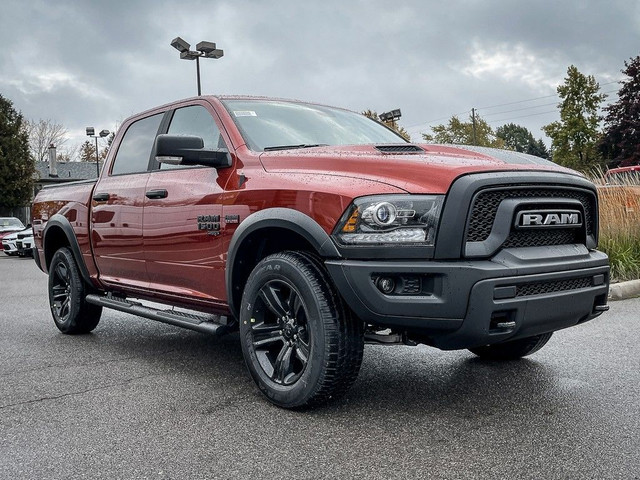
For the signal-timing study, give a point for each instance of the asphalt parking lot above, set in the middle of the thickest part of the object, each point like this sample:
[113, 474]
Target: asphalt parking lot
[139, 399]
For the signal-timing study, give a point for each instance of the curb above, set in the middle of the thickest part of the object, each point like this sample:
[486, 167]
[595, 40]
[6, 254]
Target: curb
[624, 290]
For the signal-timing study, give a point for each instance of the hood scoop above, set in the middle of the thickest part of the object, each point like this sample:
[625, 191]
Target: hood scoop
[402, 148]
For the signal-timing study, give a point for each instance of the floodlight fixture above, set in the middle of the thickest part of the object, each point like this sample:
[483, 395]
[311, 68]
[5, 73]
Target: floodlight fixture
[180, 45]
[91, 131]
[189, 55]
[104, 133]
[217, 53]
[390, 116]
[206, 47]
[203, 49]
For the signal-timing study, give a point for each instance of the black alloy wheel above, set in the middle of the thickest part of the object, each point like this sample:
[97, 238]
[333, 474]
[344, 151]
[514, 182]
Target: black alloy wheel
[279, 332]
[67, 292]
[301, 345]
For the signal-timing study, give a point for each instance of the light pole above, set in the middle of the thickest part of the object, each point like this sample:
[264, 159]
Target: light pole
[203, 49]
[91, 133]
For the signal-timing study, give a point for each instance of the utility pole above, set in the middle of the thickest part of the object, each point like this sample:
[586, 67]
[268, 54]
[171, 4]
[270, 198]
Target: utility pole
[473, 120]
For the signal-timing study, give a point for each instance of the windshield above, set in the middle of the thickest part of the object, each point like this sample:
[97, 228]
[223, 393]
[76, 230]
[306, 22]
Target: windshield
[276, 124]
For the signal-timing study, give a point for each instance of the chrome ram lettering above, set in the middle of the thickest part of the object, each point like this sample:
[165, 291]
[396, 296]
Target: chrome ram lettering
[546, 218]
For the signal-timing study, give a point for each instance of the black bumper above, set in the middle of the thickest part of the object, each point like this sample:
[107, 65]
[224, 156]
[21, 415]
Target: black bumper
[460, 304]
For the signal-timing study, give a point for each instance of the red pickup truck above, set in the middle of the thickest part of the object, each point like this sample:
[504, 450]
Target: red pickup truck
[313, 229]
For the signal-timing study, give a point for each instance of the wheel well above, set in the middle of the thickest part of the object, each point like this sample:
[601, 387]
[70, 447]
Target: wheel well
[54, 240]
[258, 245]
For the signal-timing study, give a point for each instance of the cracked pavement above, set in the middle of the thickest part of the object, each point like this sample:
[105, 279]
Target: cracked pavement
[139, 399]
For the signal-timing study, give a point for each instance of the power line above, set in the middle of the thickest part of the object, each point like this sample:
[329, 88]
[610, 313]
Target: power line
[520, 109]
[523, 116]
[428, 123]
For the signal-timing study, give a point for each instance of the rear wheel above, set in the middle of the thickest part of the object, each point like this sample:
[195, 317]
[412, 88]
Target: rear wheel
[514, 349]
[67, 291]
[301, 345]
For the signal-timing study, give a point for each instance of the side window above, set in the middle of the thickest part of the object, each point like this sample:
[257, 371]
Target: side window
[135, 148]
[194, 120]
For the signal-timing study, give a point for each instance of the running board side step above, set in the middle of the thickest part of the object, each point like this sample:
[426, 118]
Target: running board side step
[200, 323]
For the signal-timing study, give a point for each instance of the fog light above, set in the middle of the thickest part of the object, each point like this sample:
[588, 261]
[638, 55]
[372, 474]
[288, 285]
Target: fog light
[386, 285]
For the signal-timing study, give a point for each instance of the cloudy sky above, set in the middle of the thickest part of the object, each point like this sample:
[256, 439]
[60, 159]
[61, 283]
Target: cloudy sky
[86, 62]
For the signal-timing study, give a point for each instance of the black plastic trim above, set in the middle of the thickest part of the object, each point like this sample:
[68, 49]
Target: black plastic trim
[285, 218]
[504, 222]
[455, 213]
[457, 309]
[61, 221]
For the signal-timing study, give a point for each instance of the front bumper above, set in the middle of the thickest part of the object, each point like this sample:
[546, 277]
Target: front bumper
[460, 304]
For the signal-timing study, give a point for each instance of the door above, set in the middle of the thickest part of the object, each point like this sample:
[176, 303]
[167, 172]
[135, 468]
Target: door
[182, 225]
[117, 208]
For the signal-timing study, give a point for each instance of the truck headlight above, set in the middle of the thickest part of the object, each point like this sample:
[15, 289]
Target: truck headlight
[390, 219]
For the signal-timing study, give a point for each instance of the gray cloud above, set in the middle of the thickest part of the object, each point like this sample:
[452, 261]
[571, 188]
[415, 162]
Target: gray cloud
[90, 63]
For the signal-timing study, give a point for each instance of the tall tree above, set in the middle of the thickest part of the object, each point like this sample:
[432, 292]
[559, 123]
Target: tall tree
[43, 133]
[87, 152]
[462, 133]
[621, 140]
[520, 139]
[574, 138]
[16, 166]
[391, 124]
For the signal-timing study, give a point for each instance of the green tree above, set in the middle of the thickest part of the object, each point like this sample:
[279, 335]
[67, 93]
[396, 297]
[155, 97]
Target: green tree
[458, 132]
[621, 139]
[87, 152]
[520, 139]
[574, 138]
[392, 125]
[16, 165]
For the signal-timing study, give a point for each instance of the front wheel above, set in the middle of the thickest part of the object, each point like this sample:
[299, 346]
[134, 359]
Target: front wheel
[67, 291]
[301, 345]
[514, 349]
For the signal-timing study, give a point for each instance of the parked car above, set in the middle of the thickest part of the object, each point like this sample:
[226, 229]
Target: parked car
[24, 243]
[9, 244]
[313, 229]
[9, 225]
[621, 190]
[18, 243]
[623, 176]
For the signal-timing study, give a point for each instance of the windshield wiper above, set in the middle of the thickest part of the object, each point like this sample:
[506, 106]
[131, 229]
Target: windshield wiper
[291, 147]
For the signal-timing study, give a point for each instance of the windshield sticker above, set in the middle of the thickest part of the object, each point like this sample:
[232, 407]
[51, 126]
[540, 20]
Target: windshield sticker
[244, 113]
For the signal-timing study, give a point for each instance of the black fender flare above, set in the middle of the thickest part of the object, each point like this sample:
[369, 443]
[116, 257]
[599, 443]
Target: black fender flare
[60, 221]
[278, 217]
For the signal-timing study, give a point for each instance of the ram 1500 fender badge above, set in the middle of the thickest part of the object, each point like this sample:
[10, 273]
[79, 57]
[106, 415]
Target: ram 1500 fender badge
[211, 223]
[549, 218]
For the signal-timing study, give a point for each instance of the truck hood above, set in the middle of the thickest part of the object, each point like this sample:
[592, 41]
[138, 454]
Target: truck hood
[425, 168]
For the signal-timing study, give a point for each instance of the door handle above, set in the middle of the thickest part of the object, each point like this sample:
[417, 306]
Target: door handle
[154, 194]
[101, 197]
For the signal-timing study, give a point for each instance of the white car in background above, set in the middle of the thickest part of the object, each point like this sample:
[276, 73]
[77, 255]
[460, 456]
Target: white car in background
[18, 243]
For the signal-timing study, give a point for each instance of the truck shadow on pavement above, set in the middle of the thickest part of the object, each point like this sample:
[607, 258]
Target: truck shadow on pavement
[392, 379]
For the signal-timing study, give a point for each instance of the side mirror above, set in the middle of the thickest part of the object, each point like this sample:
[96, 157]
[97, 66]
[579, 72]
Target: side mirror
[189, 150]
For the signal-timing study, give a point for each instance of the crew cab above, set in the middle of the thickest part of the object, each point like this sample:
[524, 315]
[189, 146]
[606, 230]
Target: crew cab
[310, 230]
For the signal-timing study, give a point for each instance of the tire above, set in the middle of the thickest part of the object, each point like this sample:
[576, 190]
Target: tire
[67, 291]
[514, 349]
[301, 346]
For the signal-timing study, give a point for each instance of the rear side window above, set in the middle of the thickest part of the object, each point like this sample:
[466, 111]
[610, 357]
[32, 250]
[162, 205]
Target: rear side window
[135, 149]
[194, 120]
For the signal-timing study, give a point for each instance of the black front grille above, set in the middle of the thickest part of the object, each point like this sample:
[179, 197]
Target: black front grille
[542, 238]
[486, 203]
[539, 288]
